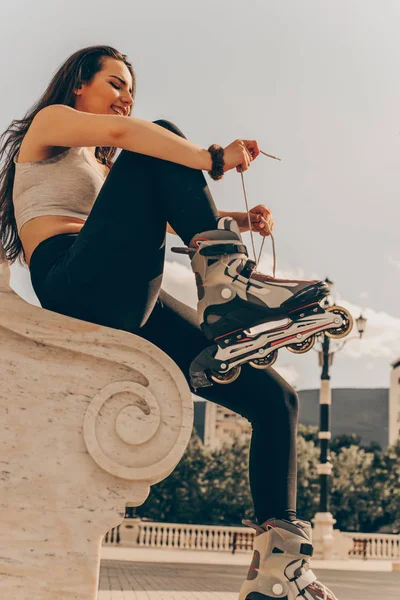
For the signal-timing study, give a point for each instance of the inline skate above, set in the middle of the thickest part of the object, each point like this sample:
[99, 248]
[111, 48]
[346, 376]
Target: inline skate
[233, 297]
[280, 567]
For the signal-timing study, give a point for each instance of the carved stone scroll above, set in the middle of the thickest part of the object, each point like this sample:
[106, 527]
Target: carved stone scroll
[90, 417]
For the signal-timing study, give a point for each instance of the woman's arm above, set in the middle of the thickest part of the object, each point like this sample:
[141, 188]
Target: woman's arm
[220, 212]
[145, 137]
[257, 216]
[242, 219]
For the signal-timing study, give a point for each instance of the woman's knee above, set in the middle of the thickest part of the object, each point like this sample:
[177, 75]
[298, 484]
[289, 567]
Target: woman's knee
[272, 394]
[170, 126]
[292, 400]
[282, 391]
[287, 396]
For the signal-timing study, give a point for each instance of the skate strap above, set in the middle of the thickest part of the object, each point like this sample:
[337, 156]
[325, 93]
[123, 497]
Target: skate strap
[305, 579]
[217, 249]
[180, 250]
[214, 250]
[190, 251]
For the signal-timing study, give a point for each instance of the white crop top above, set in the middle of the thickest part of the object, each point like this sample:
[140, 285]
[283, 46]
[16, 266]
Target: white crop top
[66, 184]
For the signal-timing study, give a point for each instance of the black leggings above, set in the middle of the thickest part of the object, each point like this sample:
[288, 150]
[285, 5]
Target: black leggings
[110, 274]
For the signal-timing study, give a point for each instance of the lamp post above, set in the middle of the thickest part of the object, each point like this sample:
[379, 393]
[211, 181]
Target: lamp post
[323, 520]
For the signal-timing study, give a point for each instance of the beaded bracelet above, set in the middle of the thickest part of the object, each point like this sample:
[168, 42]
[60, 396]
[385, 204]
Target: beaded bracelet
[218, 163]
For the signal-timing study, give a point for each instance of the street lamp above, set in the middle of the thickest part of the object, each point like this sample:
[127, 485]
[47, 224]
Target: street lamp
[361, 323]
[323, 520]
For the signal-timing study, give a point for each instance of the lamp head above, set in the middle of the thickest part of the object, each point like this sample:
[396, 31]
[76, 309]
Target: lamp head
[361, 323]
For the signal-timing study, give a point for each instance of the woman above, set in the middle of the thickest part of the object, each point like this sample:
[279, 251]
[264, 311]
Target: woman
[92, 233]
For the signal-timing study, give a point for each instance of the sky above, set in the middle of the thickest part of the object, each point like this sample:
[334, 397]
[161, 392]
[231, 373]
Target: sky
[315, 83]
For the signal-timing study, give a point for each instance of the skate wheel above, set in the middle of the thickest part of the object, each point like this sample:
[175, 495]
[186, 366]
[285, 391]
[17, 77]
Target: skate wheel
[224, 378]
[340, 332]
[265, 362]
[303, 346]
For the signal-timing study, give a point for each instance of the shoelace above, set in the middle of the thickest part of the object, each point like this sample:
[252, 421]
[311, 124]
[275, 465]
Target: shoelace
[263, 220]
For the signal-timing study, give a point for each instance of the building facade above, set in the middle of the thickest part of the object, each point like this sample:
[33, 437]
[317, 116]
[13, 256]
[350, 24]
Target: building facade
[394, 403]
[373, 414]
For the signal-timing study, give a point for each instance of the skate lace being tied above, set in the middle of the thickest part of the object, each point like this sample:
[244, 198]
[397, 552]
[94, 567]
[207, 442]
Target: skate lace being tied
[251, 233]
[266, 224]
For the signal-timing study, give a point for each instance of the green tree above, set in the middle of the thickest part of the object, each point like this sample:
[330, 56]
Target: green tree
[352, 439]
[308, 432]
[207, 487]
[212, 487]
[180, 497]
[307, 476]
[344, 441]
[352, 500]
[228, 498]
[391, 469]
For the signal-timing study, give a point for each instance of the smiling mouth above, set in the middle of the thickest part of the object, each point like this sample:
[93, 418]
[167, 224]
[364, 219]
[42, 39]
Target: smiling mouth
[121, 113]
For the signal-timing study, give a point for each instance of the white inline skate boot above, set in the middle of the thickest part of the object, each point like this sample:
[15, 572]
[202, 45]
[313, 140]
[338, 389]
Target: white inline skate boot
[233, 297]
[280, 567]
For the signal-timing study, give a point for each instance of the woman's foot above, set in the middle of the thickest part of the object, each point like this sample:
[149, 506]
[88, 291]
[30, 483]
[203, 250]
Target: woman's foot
[280, 567]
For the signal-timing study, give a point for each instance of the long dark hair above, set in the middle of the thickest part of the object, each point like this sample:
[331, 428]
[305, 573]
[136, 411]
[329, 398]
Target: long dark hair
[79, 68]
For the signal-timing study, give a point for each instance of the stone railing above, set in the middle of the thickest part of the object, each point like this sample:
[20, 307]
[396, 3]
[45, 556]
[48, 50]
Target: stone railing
[147, 534]
[374, 545]
[91, 417]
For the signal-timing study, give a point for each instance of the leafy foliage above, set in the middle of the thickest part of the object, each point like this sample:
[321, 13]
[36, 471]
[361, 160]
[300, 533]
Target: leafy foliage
[212, 486]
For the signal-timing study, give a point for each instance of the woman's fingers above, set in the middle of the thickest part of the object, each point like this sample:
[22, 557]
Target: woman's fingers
[262, 220]
[250, 151]
[252, 147]
[237, 156]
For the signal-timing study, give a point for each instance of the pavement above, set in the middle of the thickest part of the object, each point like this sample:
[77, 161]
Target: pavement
[171, 556]
[179, 579]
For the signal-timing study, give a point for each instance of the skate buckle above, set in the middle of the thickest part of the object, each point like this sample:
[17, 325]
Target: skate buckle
[190, 251]
[306, 549]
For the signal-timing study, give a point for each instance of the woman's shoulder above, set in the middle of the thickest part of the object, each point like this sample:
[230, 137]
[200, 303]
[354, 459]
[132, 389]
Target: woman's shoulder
[30, 151]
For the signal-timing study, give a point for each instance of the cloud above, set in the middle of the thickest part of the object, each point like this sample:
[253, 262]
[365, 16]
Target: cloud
[179, 281]
[382, 333]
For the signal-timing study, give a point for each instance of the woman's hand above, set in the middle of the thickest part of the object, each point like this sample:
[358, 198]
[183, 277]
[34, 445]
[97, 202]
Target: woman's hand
[255, 218]
[239, 155]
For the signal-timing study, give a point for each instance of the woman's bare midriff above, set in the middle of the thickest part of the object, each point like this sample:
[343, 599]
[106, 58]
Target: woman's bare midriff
[40, 228]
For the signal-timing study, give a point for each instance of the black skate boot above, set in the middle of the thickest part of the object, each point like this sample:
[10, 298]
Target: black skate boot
[233, 297]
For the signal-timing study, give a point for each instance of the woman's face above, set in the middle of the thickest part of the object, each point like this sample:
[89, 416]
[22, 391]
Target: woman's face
[102, 93]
